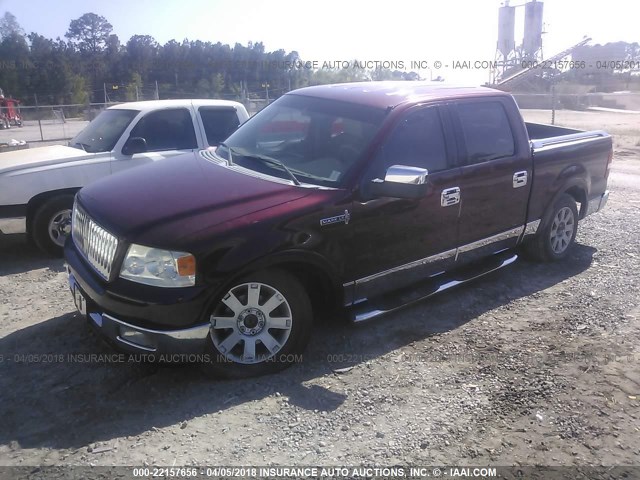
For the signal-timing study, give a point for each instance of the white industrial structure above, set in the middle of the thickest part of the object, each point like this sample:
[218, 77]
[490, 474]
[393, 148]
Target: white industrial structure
[508, 55]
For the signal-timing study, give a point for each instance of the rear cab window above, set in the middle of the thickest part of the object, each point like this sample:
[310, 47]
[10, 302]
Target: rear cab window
[218, 123]
[486, 130]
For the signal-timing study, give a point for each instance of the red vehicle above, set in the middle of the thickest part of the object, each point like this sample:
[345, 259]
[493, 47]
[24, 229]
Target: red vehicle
[363, 196]
[9, 112]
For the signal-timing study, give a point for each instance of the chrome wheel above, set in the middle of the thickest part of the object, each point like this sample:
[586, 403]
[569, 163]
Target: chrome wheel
[60, 227]
[562, 230]
[251, 324]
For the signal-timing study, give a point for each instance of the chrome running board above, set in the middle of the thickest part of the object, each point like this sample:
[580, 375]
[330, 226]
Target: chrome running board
[389, 302]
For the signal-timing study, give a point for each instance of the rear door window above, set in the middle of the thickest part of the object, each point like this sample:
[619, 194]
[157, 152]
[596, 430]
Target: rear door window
[486, 130]
[218, 123]
[170, 129]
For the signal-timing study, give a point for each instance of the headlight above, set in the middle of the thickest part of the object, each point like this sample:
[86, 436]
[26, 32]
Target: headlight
[161, 268]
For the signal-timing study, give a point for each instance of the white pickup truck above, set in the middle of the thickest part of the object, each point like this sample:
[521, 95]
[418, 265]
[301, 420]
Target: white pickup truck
[37, 185]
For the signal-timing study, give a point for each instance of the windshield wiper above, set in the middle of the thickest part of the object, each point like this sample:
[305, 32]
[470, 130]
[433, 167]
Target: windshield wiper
[273, 161]
[83, 146]
[222, 144]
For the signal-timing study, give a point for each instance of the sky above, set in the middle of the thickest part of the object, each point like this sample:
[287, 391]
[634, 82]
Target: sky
[342, 30]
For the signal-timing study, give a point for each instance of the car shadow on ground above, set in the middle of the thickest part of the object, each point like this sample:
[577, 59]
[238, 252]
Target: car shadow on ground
[18, 255]
[55, 395]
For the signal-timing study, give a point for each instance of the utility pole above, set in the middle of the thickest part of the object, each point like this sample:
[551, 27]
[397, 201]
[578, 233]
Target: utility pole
[553, 102]
[157, 95]
[137, 97]
[104, 86]
[35, 97]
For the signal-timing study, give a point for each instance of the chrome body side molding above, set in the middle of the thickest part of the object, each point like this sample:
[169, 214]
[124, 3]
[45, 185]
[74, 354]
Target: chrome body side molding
[380, 283]
[499, 237]
[573, 139]
[407, 266]
[398, 277]
[531, 228]
[388, 303]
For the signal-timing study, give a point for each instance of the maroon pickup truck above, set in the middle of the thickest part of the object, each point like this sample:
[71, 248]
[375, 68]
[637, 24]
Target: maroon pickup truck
[365, 196]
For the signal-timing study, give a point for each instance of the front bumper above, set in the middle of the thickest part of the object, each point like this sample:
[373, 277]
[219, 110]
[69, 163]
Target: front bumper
[138, 318]
[136, 339]
[598, 203]
[10, 226]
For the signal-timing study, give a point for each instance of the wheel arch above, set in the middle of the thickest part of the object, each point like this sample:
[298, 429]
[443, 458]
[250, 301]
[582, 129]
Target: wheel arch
[576, 188]
[320, 281]
[40, 199]
[579, 194]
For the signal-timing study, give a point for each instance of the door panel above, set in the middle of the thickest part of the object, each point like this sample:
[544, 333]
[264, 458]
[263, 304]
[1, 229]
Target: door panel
[402, 241]
[495, 180]
[396, 242]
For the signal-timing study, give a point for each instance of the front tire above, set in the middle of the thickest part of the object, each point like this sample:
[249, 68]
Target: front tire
[554, 240]
[52, 224]
[260, 326]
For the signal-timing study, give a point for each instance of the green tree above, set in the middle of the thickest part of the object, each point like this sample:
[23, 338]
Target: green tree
[48, 71]
[141, 52]
[9, 25]
[90, 32]
[14, 56]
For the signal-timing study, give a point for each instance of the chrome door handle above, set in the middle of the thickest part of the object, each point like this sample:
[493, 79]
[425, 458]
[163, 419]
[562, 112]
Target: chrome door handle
[450, 196]
[519, 179]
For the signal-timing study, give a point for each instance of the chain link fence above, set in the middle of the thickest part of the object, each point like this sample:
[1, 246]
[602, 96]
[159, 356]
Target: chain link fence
[57, 124]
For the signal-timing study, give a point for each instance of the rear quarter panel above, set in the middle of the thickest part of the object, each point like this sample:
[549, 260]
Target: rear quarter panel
[557, 168]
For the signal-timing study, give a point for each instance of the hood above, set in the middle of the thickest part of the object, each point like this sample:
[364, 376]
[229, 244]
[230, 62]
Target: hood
[39, 157]
[159, 203]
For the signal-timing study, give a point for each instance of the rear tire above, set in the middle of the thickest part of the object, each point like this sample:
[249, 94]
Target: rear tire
[52, 224]
[260, 326]
[554, 240]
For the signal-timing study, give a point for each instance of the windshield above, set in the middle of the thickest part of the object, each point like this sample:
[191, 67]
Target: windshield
[104, 131]
[317, 140]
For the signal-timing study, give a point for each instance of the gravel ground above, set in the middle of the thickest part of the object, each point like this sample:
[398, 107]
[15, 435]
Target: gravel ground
[532, 365]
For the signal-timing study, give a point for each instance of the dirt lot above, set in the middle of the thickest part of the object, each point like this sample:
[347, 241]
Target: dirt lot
[535, 364]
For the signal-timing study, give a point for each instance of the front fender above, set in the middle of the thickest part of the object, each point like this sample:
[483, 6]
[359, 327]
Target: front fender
[18, 187]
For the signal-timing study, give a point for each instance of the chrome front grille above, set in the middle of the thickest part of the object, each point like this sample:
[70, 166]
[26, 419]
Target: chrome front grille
[96, 244]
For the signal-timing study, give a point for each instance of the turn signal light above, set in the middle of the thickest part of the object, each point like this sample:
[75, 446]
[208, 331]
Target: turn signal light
[186, 265]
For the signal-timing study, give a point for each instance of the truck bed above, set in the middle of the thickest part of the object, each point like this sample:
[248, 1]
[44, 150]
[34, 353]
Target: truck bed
[539, 131]
[560, 153]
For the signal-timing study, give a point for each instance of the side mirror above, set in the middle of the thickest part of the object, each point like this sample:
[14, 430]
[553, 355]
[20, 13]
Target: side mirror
[134, 145]
[401, 181]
